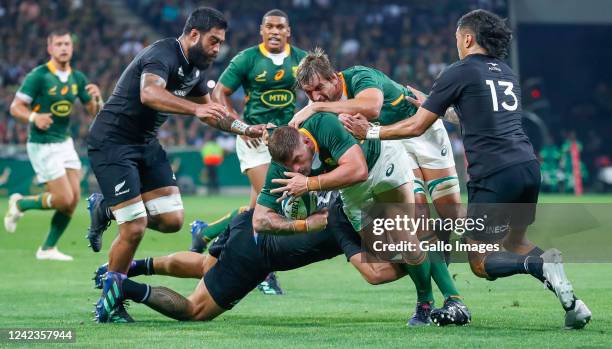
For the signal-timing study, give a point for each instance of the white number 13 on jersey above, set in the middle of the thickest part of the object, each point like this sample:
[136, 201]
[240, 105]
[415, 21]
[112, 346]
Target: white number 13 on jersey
[508, 92]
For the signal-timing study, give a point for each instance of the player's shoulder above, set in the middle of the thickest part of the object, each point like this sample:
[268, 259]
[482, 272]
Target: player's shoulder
[165, 43]
[275, 170]
[79, 74]
[298, 51]
[41, 69]
[247, 54]
[359, 69]
[166, 49]
[320, 121]
[462, 70]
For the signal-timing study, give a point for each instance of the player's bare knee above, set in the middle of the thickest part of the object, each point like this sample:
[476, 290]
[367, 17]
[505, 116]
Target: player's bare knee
[62, 201]
[134, 231]
[72, 205]
[174, 222]
[200, 312]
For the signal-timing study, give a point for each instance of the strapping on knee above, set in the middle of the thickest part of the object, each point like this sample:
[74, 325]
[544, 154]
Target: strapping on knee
[130, 213]
[441, 187]
[419, 186]
[164, 204]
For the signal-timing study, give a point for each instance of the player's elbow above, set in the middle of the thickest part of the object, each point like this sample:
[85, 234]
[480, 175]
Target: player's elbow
[14, 108]
[259, 219]
[362, 173]
[147, 96]
[372, 112]
[257, 223]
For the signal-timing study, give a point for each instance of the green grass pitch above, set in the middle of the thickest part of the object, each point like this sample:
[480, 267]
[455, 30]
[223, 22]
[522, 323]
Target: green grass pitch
[326, 305]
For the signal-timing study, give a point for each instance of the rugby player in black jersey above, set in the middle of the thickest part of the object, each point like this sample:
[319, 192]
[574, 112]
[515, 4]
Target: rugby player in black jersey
[138, 186]
[484, 97]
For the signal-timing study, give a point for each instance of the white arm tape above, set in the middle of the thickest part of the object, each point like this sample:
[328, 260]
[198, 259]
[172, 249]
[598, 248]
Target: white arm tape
[238, 127]
[130, 213]
[164, 204]
[373, 132]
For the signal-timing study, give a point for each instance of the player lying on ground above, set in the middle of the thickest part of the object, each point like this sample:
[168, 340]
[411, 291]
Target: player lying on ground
[240, 258]
[367, 91]
[45, 101]
[501, 162]
[138, 186]
[334, 160]
[266, 73]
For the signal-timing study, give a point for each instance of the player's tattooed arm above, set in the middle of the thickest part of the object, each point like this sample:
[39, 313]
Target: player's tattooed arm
[229, 124]
[154, 95]
[267, 221]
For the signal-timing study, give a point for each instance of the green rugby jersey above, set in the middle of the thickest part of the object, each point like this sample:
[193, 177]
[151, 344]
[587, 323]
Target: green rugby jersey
[46, 93]
[395, 106]
[331, 141]
[268, 81]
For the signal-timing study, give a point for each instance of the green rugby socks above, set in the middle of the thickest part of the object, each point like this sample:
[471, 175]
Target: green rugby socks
[59, 222]
[217, 227]
[35, 202]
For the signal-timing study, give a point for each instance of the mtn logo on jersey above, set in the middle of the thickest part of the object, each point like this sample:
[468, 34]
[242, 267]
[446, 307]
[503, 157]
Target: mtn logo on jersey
[277, 98]
[118, 188]
[61, 108]
[494, 67]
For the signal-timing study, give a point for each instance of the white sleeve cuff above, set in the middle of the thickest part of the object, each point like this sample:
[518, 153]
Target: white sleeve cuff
[24, 97]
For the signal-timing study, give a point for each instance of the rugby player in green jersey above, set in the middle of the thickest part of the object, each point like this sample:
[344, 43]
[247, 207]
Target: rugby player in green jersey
[45, 100]
[266, 73]
[369, 92]
[364, 172]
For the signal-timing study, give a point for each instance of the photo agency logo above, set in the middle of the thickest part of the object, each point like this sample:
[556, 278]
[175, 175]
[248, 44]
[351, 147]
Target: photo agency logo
[394, 232]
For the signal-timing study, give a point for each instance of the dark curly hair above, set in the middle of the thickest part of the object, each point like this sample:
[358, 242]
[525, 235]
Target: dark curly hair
[204, 19]
[491, 31]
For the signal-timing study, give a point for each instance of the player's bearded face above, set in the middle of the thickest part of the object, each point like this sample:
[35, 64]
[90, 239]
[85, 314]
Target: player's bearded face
[302, 160]
[322, 90]
[206, 49]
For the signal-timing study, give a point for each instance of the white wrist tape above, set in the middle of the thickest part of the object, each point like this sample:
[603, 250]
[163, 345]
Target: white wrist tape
[32, 117]
[373, 132]
[238, 127]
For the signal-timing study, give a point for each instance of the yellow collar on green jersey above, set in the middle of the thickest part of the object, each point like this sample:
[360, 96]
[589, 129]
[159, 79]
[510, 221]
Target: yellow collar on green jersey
[265, 52]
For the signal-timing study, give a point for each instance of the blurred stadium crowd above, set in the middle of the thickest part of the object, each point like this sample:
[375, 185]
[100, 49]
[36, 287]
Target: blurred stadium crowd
[411, 42]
